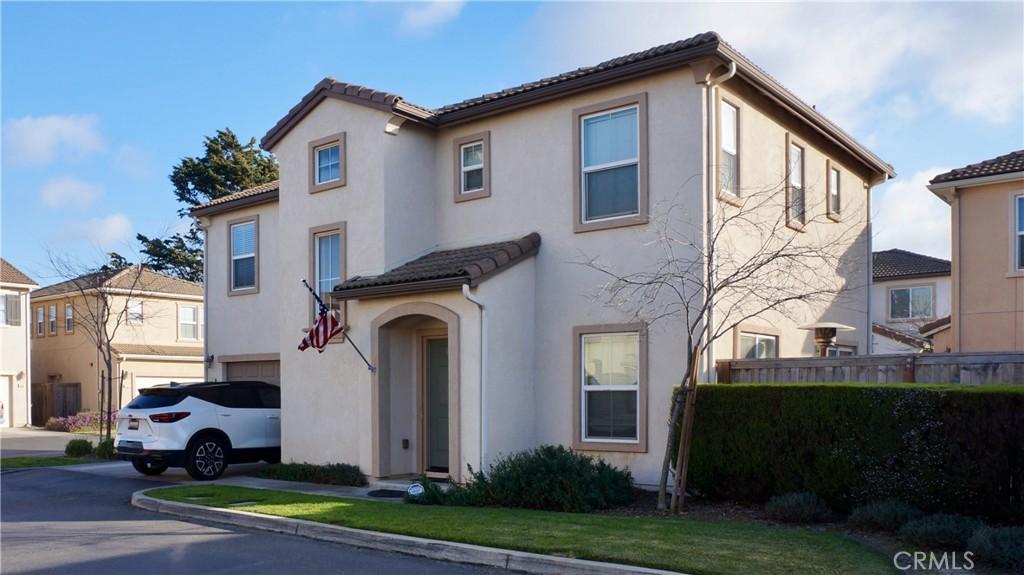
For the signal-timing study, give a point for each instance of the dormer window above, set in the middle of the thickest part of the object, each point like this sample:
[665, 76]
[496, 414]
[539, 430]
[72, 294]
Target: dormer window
[472, 166]
[327, 163]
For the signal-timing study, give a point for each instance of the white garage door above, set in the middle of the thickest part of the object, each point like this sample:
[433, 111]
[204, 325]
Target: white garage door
[142, 382]
[268, 371]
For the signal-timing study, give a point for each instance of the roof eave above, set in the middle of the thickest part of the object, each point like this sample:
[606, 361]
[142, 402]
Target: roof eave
[949, 185]
[263, 198]
[422, 286]
[913, 276]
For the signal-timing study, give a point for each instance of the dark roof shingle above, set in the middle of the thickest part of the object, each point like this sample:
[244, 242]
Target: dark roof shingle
[1005, 164]
[12, 275]
[901, 264]
[147, 281]
[442, 269]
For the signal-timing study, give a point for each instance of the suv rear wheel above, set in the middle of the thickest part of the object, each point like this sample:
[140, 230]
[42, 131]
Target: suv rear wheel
[206, 457]
[146, 468]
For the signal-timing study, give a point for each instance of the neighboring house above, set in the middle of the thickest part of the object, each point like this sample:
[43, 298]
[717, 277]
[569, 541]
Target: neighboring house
[15, 352]
[908, 291]
[160, 339]
[987, 201]
[447, 238]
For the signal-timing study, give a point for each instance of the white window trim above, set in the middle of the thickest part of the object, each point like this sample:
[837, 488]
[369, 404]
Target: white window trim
[69, 308]
[585, 169]
[232, 288]
[316, 160]
[316, 261]
[584, 388]
[196, 322]
[910, 309]
[40, 321]
[757, 337]
[51, 319]
[722, 149]
[791, 216]
[1018, 229]
[469, 168]
[128, 312]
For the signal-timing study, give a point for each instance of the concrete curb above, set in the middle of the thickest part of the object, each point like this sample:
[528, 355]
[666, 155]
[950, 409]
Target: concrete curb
[506, 559]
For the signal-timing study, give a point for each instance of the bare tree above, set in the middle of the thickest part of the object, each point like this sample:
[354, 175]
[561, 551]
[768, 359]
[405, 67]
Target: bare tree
[101, 298]
[757, 254]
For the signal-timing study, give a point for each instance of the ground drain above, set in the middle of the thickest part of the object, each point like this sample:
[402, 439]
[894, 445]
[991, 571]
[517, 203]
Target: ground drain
[387, 493]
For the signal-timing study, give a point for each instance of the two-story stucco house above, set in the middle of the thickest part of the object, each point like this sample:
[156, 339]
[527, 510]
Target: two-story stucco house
[987, 201]
[909, 291]
[15, 352]
[449, 238]
[159, 338]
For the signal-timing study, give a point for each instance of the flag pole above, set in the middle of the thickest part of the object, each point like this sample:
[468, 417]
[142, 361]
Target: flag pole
[323, 309]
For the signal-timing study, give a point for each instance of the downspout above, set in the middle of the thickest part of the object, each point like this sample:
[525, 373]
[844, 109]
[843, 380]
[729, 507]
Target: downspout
[711, 195]
[483, 370]
[206, 300]
[27, 320]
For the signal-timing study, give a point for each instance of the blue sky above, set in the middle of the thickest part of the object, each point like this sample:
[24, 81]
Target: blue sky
[99, 101]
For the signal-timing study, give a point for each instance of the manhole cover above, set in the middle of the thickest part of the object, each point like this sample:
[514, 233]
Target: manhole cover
[387, 493]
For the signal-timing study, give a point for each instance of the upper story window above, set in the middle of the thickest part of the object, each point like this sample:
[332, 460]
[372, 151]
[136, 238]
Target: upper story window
[243, 245]
[10, 309]
[1019, 200]
[611, 164]
[758, 346]
[729, 158]
[327, 264]
[327, 163]
[69, 318]
[907, 303]
[834, 191]
[188, 322]
[472, 166]
[52, 316]
[796, 214]
[39, 321]
[134, 312]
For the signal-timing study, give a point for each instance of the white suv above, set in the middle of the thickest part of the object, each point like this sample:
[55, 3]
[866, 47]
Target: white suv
[201, 427]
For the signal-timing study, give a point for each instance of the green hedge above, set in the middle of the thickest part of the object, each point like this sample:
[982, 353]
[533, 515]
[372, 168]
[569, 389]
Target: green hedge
[939, 448]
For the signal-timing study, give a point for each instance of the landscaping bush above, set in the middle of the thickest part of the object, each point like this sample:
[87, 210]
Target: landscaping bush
[105, 449]
[952, 449]
[944, 530]
[1003, 546]
[85, 421]
[804, 507]
[78, 448]
[888, 515]
[330, 474]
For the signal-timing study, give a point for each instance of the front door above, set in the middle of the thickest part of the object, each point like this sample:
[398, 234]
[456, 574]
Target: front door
[436, 376]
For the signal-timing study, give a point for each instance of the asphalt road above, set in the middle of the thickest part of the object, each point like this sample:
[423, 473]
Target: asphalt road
[63, 521]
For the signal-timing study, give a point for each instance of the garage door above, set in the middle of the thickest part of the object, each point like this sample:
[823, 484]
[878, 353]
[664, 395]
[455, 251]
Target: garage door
[142, 382]
[268, 371]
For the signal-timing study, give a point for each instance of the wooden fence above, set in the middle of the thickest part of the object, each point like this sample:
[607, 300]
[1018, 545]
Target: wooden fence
[961, 368]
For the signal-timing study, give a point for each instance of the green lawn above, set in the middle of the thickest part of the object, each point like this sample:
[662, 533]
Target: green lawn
[687, 545]
[22, 462]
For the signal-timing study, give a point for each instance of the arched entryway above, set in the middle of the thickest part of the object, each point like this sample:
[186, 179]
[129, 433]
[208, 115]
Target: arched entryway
[415, 394]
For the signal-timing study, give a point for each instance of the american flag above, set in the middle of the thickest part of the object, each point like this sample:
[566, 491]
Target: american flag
[326, 327]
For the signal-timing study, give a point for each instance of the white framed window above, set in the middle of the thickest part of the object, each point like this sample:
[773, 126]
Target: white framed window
[52, 316]
[729, 157]
[909, 303]
[135, 312]
[610, 387]
[758, 346]
[39, 321]
[327, 265]
[10, 309]
[328, 163]
[69, 318]
[841, 351]
[834, 191]
[3, 310]
[243, 256]
[610, 167]
[472, 167]
[188, 322]
[1019, 229]
[796, 200]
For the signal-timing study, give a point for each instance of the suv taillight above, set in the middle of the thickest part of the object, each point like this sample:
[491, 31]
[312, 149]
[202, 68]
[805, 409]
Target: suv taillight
[169, 417]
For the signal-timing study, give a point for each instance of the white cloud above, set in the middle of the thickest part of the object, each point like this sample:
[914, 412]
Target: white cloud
[38, 140]
[68, 191]
[908, 216]
[422, 18]
[104, 231]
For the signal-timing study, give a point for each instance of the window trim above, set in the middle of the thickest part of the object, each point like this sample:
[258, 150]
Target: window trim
[888, 303]
[255, 219]
[198, 322]
[755, 329]
[626, 446]
[342, 229]
[642, 216]
[790, 143]
[1016, 231]
[69, 307]
[457, 145]
[51, 319]
[128, 313]
[40, 321]
[728, 197]
[8, 297]
[830, 211]
[315, 145]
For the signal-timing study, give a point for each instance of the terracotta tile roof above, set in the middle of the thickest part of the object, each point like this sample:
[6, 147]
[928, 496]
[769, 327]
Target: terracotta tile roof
[146, 349]
[443, 269]
[936, 325]
[257, 194]
[901, 336]
[1005, 164]
[12, 275]
[148, 281]
[901, 264]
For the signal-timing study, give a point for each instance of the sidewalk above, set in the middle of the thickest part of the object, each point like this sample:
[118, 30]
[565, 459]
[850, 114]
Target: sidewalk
[315, 488]
[36, 442]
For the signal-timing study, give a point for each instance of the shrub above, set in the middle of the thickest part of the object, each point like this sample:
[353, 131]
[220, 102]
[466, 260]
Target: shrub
[85, 421]
[78, 448]
[939, 448]
[945, 530]
[330, 474]
[888, 515]
[105, 449]
[804, 507]
[1003, 546]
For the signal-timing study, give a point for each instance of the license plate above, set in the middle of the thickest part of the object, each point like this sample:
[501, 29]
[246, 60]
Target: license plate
[133, 424]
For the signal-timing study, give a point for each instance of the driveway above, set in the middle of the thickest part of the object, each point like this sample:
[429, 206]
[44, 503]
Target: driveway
[18, 441]
[79, 520]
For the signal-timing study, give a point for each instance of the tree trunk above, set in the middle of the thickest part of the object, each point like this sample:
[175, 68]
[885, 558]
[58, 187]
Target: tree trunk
[110, 395]
[102, 397]
[685, 436]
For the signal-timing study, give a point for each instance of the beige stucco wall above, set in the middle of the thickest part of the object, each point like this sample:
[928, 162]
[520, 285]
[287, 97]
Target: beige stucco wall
[988, 292]
[15, 363]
